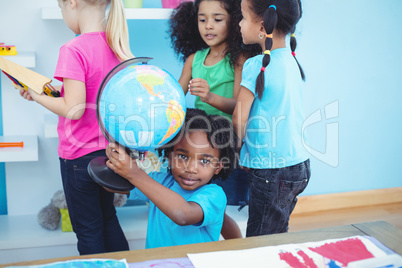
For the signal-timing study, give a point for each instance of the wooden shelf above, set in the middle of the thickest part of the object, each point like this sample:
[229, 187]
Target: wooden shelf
[148, 13]
[26, 59]
[25, 240]
[54, 13]
[17, 154]
[22, 229]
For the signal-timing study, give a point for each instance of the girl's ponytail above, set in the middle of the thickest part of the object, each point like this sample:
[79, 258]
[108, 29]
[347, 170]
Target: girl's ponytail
[270, 19]
[293, 45]
[117, 31]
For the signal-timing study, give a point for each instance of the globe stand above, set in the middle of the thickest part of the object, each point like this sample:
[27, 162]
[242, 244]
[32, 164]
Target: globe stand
[106, 177]
[97, 168]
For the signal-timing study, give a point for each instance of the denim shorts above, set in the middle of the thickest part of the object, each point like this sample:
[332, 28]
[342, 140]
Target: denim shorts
[235, 187]
[91, 209]
[273, 196]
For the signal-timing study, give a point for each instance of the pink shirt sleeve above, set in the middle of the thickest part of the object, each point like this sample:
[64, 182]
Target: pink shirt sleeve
[70, 64]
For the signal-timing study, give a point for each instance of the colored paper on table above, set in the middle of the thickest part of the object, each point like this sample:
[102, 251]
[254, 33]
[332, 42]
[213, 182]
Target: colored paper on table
[389, 261]
[163, 263]
[84, 263]
[327, 253]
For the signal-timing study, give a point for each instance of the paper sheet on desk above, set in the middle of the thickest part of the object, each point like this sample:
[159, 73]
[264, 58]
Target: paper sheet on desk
[327, 253]
[81, 263]
[163, 263]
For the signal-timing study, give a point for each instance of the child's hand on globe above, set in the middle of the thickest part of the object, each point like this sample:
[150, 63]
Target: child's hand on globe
[120, 162]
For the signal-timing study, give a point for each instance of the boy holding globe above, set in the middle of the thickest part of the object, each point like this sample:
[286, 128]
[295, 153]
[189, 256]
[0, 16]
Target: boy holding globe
[184, 207]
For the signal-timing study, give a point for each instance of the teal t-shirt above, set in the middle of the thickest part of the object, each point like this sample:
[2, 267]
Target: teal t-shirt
[220, 78]
[163, 232]
[274, 132]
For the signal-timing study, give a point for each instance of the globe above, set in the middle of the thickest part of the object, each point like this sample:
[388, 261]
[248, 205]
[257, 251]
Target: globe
[141, 106]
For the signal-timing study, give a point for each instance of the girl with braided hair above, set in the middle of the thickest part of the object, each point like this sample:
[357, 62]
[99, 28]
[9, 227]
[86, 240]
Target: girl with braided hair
[269, 115]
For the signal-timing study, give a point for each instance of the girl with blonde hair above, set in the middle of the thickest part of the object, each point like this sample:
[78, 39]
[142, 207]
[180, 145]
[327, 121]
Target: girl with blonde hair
[101, 43]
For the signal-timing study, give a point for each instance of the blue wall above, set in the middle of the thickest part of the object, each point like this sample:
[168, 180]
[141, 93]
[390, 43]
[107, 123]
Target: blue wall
[350, 52]
[3, 193]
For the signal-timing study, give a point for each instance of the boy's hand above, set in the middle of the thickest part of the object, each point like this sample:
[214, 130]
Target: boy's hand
[120, 162]
[199, 87]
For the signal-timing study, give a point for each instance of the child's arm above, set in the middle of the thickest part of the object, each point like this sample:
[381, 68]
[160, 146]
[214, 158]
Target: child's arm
[199, 87]
[230, 229]
[169, 202]
[241, 113]
[71, 106]
[185, 77]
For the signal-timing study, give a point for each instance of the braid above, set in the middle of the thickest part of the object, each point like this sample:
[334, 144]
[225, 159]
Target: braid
[270, 19]
[293, 45]
[282, 16]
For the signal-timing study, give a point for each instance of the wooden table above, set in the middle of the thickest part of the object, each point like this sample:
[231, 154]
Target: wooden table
[384, 232]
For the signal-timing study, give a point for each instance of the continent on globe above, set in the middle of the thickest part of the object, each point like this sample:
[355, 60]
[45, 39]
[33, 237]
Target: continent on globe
[141, 106]
[175, 116]
[150, 77]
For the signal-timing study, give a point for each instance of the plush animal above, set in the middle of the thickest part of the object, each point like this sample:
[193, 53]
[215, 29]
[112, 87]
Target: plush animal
[49, 216]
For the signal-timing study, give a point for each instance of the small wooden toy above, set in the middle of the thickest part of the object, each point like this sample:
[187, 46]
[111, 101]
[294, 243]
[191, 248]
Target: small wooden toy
[7, 50]
[24, 78]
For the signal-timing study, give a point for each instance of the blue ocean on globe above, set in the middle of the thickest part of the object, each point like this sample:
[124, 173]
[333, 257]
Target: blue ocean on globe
[142, 107]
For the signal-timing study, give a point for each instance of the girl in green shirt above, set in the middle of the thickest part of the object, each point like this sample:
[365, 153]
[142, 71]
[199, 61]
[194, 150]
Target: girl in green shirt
[206, 35]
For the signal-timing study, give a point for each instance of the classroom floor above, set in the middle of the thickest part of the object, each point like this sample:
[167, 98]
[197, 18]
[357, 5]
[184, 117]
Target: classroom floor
[391, 213]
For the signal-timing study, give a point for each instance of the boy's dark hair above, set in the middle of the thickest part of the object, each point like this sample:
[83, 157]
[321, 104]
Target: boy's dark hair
[283, 16]
[186, 38]
[220, 134]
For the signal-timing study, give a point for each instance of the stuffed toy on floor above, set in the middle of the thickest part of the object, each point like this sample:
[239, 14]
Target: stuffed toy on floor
[49, 217]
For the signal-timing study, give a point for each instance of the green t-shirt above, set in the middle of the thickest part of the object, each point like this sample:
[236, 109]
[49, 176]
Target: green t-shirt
[220, 78]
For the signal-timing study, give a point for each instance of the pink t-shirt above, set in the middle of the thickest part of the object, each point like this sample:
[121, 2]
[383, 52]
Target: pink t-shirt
[86, 58]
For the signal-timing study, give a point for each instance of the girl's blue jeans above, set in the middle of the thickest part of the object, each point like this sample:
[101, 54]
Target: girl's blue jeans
[92, 213]
[273, 196]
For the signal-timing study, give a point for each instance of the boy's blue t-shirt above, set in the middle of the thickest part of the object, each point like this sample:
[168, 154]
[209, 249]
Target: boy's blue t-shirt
[163, 232]
[274, 137]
